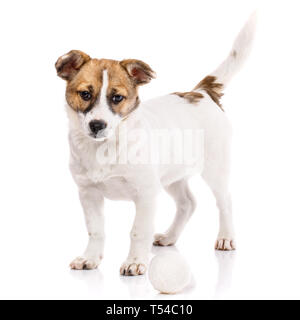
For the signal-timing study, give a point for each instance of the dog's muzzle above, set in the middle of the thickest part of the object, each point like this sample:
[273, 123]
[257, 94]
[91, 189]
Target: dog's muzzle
[96, 126]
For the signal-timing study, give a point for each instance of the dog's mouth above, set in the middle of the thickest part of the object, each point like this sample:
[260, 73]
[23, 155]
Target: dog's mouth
[98, 137]
[101, 135]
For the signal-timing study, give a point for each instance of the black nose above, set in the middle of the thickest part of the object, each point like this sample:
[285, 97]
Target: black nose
[97, 125]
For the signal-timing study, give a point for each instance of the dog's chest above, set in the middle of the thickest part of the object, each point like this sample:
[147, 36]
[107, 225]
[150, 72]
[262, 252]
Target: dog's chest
[87, 169]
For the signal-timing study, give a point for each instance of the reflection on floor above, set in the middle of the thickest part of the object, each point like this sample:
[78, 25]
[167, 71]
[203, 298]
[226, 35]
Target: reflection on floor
[140, 287]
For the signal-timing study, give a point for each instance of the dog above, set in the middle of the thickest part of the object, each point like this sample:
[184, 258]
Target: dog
[102, 97]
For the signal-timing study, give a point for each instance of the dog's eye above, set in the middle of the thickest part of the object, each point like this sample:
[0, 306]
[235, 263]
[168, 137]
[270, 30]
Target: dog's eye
[85, 95]
[117, 98]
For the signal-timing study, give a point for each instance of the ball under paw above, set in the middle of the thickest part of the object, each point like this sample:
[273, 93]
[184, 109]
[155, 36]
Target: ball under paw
[169, 273]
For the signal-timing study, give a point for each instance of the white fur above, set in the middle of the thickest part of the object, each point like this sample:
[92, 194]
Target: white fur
[141, 183]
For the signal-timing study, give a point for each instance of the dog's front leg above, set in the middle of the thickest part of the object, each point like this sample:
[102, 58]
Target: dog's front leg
[141, 238]
[92, 202]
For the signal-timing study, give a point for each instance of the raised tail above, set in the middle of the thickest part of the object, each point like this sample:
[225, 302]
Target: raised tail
[218, 80]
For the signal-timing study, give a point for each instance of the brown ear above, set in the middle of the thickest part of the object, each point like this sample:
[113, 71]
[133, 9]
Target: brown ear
[139, 71]
[69, 64]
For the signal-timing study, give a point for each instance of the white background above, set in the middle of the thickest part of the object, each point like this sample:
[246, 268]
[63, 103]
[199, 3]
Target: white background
[41, 222]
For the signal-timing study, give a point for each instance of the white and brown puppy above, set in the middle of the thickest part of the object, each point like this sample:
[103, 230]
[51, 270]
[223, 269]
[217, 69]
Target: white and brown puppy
[102, 95]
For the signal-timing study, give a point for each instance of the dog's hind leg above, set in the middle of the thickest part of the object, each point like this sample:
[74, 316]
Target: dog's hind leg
[186, 204]
[217, 178]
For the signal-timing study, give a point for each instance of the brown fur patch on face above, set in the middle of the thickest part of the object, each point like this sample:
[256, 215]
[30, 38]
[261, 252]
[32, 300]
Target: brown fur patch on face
[192, 97]
[89, 78]
[120, 83]
[212, 88]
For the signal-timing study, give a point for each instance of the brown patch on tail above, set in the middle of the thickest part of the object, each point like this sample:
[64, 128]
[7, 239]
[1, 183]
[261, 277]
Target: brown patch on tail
[192, 97]
[212, 88]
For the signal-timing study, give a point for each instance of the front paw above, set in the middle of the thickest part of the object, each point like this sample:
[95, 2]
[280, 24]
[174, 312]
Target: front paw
[133, 268]
[85, 263]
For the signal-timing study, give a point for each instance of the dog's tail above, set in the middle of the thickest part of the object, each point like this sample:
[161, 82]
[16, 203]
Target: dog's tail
[218, 80]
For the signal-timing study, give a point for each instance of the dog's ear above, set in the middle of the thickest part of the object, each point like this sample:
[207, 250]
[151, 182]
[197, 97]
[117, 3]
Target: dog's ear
[69, 64]
[139, 71]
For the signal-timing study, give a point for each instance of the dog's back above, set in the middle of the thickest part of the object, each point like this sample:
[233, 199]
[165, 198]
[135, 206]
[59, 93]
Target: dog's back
[201, 109]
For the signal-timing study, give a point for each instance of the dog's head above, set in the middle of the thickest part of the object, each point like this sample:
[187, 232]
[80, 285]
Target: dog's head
[101, 92]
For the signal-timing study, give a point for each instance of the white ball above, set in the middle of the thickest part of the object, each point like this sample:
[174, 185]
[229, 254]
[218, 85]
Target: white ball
[169, 273]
